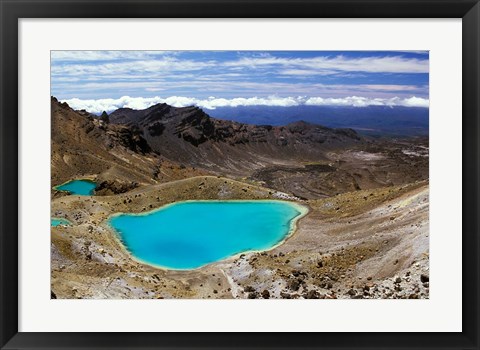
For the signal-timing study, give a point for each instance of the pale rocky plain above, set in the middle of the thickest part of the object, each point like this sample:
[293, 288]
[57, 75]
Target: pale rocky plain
[365, 236]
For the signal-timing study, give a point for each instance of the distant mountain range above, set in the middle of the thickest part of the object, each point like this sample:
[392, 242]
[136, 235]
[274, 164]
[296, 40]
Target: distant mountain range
[372, 120]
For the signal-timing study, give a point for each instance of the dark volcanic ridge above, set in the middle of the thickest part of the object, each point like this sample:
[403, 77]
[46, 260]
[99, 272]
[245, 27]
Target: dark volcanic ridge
[193, 125]
[191, 136]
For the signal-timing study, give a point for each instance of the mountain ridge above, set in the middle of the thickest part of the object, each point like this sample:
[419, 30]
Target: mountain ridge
[192, 118]
[192, 137]
[164, 143]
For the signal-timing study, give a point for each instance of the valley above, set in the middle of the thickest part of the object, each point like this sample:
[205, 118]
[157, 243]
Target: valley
[366, 233]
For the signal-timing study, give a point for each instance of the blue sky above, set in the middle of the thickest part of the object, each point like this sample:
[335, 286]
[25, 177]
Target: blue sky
[112, 79]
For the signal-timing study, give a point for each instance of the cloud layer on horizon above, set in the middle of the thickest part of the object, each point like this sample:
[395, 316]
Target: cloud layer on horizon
[109, 105]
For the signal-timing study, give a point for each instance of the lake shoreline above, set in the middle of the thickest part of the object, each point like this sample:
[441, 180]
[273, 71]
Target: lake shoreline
[98, 256]
[301, 209]
[79, 187]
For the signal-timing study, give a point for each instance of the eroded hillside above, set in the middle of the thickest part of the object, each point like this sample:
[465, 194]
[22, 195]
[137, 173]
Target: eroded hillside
[365, 235]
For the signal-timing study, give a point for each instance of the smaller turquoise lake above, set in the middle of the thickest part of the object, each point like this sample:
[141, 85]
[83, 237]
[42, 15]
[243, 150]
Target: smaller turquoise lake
[57, 222]
[78, 187]
[188, 235]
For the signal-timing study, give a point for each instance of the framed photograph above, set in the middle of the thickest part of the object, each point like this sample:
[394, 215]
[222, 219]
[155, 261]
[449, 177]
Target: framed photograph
[238, 174]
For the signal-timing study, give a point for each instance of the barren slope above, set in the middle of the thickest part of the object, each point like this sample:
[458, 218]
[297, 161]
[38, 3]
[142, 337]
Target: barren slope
[82, 146]
[344, 241]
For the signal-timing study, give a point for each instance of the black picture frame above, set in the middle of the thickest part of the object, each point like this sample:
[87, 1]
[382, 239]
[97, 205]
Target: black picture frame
[12, 11]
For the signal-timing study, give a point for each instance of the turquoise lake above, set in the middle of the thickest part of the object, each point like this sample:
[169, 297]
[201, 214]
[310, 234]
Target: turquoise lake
[57, 222]
[188, 235]
[79, 187]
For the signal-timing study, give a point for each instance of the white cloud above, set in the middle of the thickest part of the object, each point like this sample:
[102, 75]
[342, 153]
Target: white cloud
[418, 52]
[89, 55]
[101, 74]
[387, 87]
[416, 102]
[142, 67]
[66, 88]
[307, 72]
[109, 105]
[327, 65]
[146, 63]
[353, 101]
[356, 101]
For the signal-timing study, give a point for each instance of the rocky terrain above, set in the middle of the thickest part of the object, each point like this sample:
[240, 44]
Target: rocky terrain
[365, 235]
[116, 156]
[192, 138]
